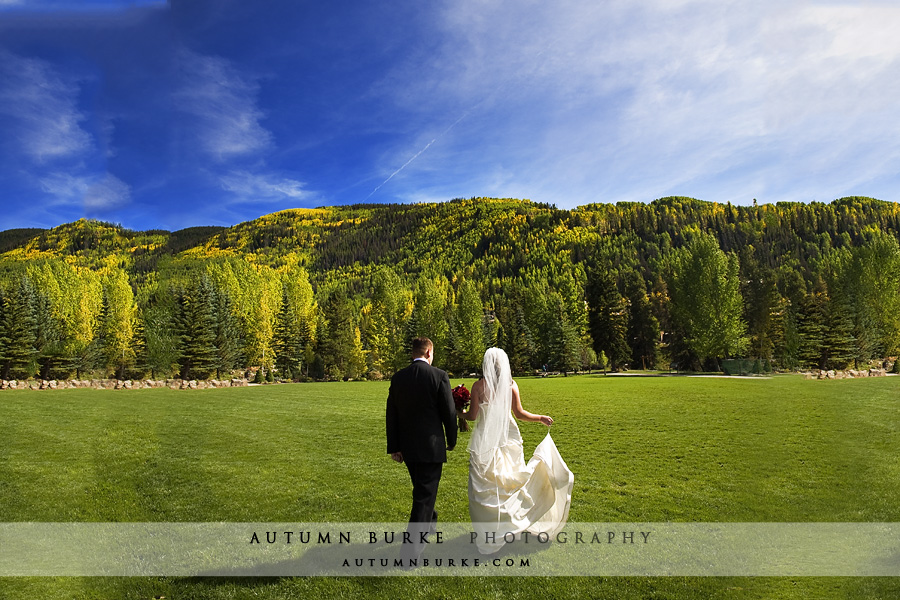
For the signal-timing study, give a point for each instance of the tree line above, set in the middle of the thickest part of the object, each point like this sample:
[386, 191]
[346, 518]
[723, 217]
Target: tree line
[338, 293]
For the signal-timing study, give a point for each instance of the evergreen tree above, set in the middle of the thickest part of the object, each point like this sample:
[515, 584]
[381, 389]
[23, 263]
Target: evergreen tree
[514, 336]
[811, 328]
[294, 326]
[17, 351]
[761, 306]
[226, 334]
[490, 329]
[139, 348]
[196, 327]
[786, 349]
[49, 341]
[86, 358]
[339, 346]
[413, 326]
[793, 291]
[162, 337]
[469, 328]
[838, 345]
[535, 301]
[643, 328]
[565, 344]
[608, 317]
[288, 342]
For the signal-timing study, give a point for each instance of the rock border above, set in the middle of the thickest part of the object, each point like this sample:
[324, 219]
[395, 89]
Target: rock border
[118, 384]
[849, 374]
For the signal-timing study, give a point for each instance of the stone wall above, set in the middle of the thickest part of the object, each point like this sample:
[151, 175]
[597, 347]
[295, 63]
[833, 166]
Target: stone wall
[118, 384]
[849, 374]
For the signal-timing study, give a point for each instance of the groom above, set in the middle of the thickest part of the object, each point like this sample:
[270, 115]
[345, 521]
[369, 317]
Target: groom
[420, 411]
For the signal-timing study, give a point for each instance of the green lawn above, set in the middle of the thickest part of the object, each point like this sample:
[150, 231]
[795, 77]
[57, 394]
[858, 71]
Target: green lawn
[642, 449]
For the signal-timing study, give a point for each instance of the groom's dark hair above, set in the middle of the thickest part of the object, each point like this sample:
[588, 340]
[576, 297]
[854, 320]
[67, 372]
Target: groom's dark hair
[420, 346]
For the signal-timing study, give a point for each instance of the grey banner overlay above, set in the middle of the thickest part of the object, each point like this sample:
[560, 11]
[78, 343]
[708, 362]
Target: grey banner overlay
[377, 549]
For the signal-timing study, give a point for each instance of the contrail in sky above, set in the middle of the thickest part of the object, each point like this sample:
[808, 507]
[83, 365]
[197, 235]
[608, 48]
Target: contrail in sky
[508, 84]
[417, 154]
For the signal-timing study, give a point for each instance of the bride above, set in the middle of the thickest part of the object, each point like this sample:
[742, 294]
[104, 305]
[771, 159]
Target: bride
[507, 496]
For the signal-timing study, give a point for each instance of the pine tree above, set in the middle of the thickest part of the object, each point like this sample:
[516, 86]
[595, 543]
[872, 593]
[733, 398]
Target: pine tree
[535, 304]
[787, 341]
[643, 328]
[761, 305]
[339, 347]
[469, 328]
[49, 339]
[227, 333]
[514, 336]
[17, 351]
[838, 345]
[288, 343]
[490, 329]
[811, 329]
[608, 317]
[196, 327]
[565, 344]
[162, 336]
[294, 324]
[86, 357]
[139, 348]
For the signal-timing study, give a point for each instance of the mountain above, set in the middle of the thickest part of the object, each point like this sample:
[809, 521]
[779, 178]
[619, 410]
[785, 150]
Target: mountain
[808, 284]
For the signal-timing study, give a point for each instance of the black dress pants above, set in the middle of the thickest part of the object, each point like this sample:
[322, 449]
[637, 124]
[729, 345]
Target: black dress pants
[425, 478]
[422, 517]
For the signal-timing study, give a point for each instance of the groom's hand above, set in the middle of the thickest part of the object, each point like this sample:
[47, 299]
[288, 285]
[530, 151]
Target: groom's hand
[397, 456]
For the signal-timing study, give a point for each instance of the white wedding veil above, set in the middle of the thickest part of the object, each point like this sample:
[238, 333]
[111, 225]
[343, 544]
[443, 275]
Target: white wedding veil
[492, 430]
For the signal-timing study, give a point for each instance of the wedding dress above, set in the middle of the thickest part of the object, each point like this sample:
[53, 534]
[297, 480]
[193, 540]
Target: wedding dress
[507, 496]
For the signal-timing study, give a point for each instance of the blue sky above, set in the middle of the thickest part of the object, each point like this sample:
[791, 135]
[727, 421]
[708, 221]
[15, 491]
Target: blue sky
[212, 112]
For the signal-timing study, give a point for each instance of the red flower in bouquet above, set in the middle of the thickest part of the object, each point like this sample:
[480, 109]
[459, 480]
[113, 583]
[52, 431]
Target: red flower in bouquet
[461, 398]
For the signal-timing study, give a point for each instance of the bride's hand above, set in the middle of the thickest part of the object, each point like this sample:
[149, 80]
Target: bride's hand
[546, 420]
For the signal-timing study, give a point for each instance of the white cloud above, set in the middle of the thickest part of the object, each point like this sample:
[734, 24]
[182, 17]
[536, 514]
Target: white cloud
[222, 104]
[255, 187]
[66, 188]
[42, 107]
[109, 192]
[94, 193]
[619, 100]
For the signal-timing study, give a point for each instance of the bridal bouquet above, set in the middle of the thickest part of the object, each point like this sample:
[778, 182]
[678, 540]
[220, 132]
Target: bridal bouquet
[461, 399]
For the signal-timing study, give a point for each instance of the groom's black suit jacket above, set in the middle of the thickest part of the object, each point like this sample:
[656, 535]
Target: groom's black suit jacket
[420, 411]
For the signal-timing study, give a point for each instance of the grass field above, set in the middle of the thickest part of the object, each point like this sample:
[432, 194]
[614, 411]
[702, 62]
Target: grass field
[642, 449]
